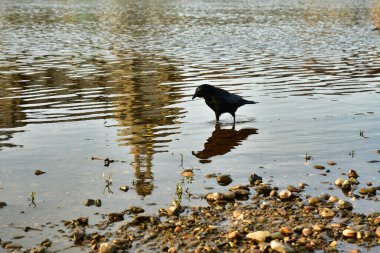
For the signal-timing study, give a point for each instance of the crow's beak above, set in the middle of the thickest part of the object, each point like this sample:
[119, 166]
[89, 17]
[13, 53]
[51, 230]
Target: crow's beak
[194, 96]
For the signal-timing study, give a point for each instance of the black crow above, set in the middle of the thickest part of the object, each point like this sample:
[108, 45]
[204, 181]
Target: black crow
[219, 100]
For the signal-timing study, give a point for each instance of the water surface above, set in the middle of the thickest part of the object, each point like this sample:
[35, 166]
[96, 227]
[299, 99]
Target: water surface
[96, 79]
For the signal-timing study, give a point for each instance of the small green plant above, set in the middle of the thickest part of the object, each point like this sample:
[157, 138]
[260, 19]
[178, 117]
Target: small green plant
[32, 199]
[108, 183]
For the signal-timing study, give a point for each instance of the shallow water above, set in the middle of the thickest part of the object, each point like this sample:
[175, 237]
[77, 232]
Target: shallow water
[115, 79]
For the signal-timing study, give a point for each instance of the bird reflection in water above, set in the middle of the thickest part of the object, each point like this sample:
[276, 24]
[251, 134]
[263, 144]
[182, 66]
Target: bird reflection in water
[222, 141]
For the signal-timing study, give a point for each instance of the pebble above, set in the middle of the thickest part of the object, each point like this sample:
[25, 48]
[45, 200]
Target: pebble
[331, 163]
[224, 180]
[313, 201]
[39, 249]
[280, 247]
[187, 173]
[378, 232]
[124, 188]
[3, 204]
[234, 235]
[135, 210]
[319, 167]
[285, 194]
[286, 231]
[114, 217]
[327, 213]
[292, 188]
[106, 247]
[39, 172]
[98, 203]
[13, 246]
[255, 179]
[307, 232]
[258, 236]
[89, 202]
[346, 185]
[352, 174]
[344, 205]
[333, 199]
[338, 182]
[349, 233]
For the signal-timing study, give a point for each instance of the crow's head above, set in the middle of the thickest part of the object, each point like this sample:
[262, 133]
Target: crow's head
[203, 91]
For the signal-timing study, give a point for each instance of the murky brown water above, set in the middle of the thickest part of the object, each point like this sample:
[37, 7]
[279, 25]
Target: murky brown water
[82, 79]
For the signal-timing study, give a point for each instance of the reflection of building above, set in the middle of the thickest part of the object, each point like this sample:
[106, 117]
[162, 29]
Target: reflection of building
[132, 91]
[146, 114]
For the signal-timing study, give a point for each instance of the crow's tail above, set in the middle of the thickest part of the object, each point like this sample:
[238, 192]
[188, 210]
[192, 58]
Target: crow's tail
[250, 102]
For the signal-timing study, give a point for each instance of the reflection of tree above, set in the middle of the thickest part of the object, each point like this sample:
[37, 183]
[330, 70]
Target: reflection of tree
[223, 141]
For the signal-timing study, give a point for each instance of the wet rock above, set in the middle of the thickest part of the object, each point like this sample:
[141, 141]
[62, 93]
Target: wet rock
[258, 236]
[346, 185]
[327, 213]
[349, 233]
[107, 247]
[3, 204]
[230, 196]
[353, 181]
[98, 203]
[377, 232]
[215, 197]
[89, 202]
[187, 173]
[39, 250]
[292, 188]
[352, 174]
[319, 167]
[115, 217]
[333, 199]
[285, 195]
[307, 232]
[286, 231]
[139, 219]
[212, 175]
[174, 209]
[313, 201]
[331, 163]
[234, 235]
[79, 235]
[224, 180]
[338, 182]
[39, 172]
[241, 194]
[255, 179]
[363, 191]
[263, 189]
[12, 246]
[134, 210]
[344, 205]
[280, 247]
[46, 243]
[124, 188]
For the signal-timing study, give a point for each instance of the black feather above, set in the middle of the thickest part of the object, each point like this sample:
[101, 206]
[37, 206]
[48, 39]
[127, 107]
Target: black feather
[219, 100]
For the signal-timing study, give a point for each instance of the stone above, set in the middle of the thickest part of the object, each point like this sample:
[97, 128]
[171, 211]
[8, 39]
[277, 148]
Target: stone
[234, 235]
[285, 194]
[338, 182]
[89, 202]
[313, 201]
[224, 180]
[319, 167]
[255, 179]
[280, 247]
[124, 188]
[349, 233]
[352, 174]
[327, 213]
[258, 236]
[107, 247]
[344, 205]
[39, 172]
[3, 204]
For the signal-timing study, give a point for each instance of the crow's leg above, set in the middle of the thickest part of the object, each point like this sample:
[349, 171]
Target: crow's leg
[233, 115]
[217, 116]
